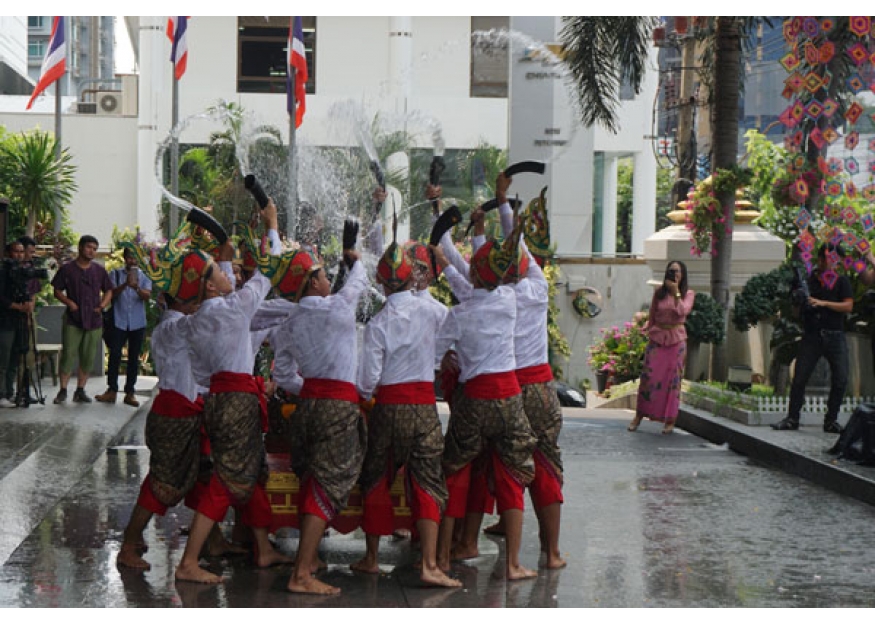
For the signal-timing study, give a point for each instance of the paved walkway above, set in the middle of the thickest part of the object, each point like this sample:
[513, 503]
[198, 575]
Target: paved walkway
[644, 523]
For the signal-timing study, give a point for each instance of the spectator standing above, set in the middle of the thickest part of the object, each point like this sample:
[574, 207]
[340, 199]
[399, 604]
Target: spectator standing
[131, 290]
[84, 287]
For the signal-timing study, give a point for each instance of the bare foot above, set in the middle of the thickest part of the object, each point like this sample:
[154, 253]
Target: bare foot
[555, 562]
[218, 547]
[496, 529]
[667, 429]
[129, 556]
[311, 586]
[635, 423]
[272, 558]
[366, 565]
[197, 574]
[436, 577]
[443, 565]
[461, 552]
[519, 572]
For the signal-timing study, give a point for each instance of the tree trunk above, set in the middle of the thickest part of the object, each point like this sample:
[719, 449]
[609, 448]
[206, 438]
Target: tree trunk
[727, 83]
[30, 226]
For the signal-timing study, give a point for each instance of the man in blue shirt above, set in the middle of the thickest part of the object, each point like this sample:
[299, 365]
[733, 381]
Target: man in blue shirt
[131, 290]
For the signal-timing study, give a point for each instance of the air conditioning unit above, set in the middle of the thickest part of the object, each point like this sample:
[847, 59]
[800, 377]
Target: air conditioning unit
[109, 102]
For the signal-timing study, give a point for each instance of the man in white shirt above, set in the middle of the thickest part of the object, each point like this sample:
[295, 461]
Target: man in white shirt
[235, 414]
[397, 368]
[490, 413]
[328, 433]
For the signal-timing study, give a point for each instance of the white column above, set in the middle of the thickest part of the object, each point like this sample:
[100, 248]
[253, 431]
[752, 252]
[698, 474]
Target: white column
[151, 38]
[609, 206]
[401, 60]
[643, 198]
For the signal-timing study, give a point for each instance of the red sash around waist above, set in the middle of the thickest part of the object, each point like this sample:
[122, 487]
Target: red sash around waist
[324, 388]
[493, 386]
[170, 403]
[535, 374]
[406, 393]
[231, 382]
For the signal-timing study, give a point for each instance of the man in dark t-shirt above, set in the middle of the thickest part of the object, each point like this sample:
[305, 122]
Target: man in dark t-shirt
[823, 320]
[84, 287]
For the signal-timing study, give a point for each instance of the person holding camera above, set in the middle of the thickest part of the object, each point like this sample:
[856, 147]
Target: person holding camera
[15, 306]
[131, 290]
[823, 305]
[659, 391]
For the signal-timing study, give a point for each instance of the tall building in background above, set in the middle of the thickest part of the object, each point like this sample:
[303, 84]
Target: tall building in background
[90, 55]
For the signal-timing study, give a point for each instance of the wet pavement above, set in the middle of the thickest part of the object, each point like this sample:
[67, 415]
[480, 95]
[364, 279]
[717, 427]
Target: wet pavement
[715, 515]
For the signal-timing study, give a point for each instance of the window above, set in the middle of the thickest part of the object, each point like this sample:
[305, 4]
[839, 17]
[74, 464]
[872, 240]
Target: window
[262, 53]
[36, 48]
[489, 57]
[36, 21]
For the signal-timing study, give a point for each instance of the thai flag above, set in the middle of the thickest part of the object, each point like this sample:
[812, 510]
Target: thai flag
[55, 63]
[297, 62]
[177, 29]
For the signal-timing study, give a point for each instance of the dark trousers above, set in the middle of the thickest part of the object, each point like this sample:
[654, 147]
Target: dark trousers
[829, 344]
[134, 341]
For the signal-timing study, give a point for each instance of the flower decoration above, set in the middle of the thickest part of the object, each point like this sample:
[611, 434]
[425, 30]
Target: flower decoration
[859, 25]
[620, 351]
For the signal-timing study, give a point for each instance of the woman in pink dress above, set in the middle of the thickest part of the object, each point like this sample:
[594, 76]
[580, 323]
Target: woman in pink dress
[659, 391]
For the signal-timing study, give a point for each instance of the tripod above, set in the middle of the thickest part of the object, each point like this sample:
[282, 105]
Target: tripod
[26, 380]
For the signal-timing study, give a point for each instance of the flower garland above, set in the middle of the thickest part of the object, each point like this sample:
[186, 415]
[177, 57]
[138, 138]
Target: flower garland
[705, 211]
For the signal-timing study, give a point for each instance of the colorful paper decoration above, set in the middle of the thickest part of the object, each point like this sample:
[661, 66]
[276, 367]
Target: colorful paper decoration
[807, 238]
[813, 82]
[790, 61]
[832, 212]
[858, 53]
[852, 166]
[850, 189]
[867, 221]
[853, 113]
[830, 107]
[829, 278]
[826, 52]
[814, 109]
[848, 263]
[811, 26]
[803, 218]
[855, 84]
[859, 25]
[812, 54]
[869, 192]
[852, 139]
[817, 138]
[830, 135]
[850, 217]
[826, 25]
[825, 233]
[859, 265]
[862, 245]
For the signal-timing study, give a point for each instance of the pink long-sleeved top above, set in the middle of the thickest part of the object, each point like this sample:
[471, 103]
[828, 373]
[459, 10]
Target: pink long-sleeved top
[665, 324]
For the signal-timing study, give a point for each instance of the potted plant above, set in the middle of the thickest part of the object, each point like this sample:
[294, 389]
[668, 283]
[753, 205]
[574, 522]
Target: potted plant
[617, 357]
[704, 325]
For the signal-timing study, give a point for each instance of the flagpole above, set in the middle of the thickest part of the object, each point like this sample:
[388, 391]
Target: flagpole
[174, 155]
[56, 225]
[292, 214]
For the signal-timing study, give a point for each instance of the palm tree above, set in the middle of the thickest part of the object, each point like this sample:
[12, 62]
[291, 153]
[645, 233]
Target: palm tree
[38, 181]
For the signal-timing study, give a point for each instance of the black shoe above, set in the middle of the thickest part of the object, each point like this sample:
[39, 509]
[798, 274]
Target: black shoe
[80, 396]
[835, 450]
[61, 397]
[786, 424]
[832, 427]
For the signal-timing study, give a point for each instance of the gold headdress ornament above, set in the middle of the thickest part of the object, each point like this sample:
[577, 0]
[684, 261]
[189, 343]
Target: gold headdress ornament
[537, 228]
[288, 273]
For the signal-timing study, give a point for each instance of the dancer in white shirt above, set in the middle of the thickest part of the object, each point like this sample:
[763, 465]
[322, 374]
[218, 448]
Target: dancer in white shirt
[490, 413]
[235, 414]
[404, 430]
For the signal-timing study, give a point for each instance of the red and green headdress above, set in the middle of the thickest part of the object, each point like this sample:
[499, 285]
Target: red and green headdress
[421, 258]
[288, 273]
[394, 268]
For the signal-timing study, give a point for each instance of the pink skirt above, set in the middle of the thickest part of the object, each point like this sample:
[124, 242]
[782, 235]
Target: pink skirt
[659, 391]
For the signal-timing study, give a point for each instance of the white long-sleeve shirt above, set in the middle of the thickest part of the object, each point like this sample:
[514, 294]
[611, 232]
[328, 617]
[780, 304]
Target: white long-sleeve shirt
[320, 332]
[399, 342]
[480, 330]
[171, 356]
[532, 300]
[218, 333]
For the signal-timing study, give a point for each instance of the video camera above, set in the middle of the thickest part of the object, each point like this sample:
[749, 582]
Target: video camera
[800, 293]
[20, 273]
